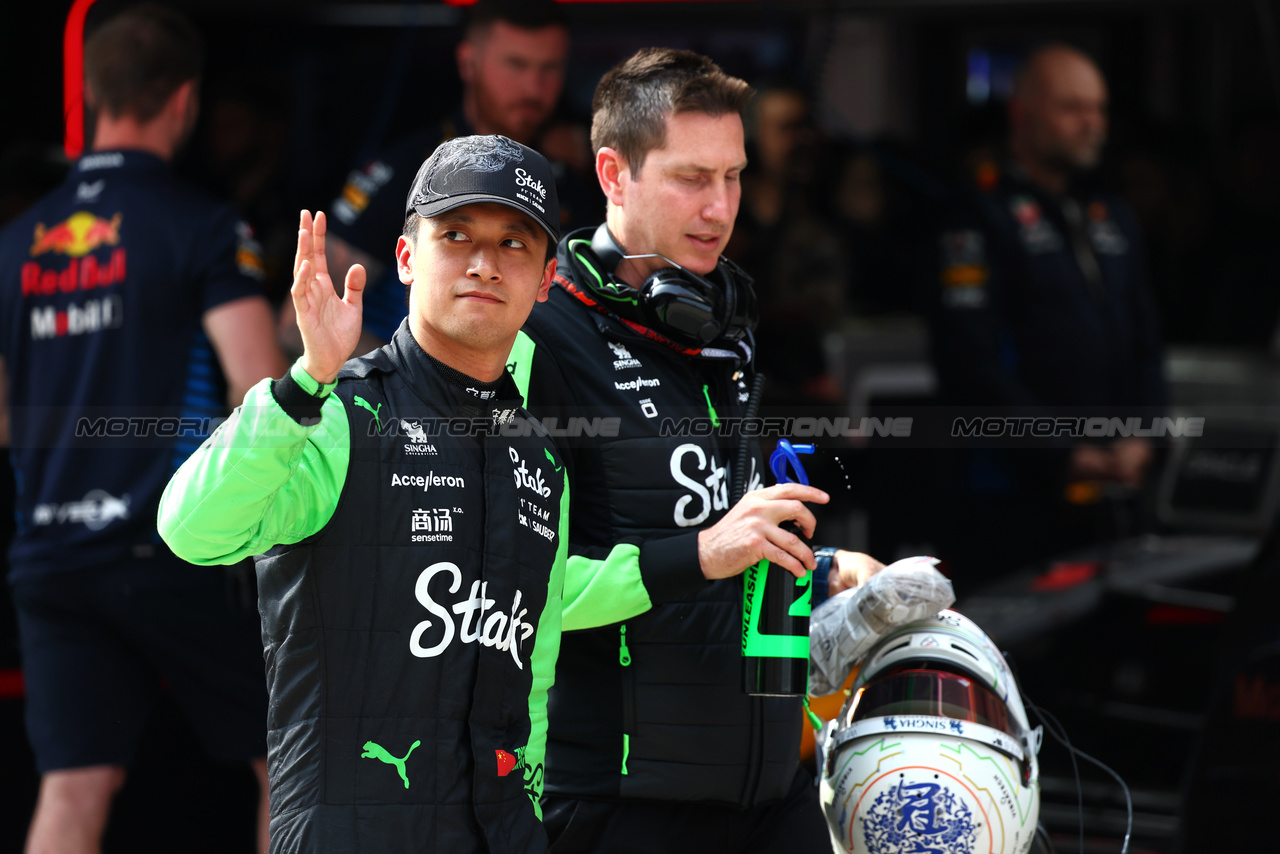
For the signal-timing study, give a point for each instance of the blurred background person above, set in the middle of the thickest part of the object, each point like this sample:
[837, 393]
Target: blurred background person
[240, 155]
[782, 240]
[873, 217]
[1043, 308]
[128, 303]
[511, 62]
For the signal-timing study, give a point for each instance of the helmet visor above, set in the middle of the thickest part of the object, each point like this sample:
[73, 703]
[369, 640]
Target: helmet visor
[933, 693]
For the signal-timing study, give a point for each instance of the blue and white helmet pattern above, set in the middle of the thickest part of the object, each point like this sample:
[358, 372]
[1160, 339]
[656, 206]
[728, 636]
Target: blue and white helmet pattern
[919, 816]
[932, 752]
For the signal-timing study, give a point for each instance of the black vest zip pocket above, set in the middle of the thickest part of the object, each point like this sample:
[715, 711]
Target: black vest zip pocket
[628, 695]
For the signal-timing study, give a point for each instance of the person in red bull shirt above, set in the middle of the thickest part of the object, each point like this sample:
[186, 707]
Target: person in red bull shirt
[1042, 308]
[128, 325]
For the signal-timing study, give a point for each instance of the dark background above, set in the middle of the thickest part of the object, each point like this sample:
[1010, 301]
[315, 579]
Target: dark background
[1195, 140]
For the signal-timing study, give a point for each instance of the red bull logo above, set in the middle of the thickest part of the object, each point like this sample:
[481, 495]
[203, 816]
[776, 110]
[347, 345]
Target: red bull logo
[77, 235]
[80, 274]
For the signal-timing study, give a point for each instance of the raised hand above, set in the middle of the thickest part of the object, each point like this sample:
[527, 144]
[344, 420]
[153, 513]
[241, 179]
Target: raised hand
[750, 532]
[330, 324]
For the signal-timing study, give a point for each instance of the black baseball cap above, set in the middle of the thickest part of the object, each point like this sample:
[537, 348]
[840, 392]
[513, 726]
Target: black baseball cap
[470, 169]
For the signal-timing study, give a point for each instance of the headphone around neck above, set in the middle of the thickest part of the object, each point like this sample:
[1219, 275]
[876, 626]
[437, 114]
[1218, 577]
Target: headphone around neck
[679, 303]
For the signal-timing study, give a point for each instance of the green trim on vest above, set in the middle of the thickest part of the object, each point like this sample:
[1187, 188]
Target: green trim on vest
[520, 363]
[542, 663]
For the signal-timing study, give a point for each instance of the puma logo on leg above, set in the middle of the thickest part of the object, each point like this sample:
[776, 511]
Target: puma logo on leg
[372, 750]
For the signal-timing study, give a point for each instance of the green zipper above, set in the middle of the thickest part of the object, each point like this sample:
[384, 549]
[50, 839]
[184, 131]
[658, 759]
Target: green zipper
[624, 658]
[814, 721]
[715, 419]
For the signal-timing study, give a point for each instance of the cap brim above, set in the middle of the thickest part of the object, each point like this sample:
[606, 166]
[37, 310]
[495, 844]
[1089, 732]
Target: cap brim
[454, 202]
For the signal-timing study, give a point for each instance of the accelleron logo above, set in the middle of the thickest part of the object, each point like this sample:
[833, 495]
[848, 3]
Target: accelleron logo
[428, 480]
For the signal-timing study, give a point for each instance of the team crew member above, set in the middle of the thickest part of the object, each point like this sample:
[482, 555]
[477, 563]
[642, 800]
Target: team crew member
[130, 315]
[1045, 309]
[412, 609]
[653, 746]
[511, 61]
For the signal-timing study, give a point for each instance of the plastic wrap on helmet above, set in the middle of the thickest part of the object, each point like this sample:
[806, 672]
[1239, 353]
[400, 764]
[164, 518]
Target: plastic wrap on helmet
[846, 626]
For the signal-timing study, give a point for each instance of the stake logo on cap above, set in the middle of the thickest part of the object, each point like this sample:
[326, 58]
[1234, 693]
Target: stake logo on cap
[468, 170]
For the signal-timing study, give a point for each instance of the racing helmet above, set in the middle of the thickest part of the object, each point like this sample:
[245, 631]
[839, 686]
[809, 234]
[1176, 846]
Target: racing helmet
[933, 750]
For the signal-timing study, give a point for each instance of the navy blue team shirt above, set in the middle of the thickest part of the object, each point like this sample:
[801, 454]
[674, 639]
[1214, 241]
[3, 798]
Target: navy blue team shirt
[1037, 310]
[112, 381]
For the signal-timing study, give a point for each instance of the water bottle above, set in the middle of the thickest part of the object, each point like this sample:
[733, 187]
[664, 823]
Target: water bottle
[776, 607]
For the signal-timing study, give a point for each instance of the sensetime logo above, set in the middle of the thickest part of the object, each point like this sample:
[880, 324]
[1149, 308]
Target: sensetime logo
[1000, 427]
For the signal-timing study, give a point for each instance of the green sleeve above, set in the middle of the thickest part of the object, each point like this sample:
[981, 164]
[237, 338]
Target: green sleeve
[260, 480]
[601, 592]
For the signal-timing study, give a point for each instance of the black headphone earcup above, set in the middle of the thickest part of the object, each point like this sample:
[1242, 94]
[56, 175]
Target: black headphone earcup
[676, 302]
[685, 305]
[742, 313]
[607, 249]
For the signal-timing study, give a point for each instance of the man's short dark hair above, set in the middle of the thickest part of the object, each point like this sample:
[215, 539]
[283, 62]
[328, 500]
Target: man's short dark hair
[135, 61]
[523, 14]
[634, 99]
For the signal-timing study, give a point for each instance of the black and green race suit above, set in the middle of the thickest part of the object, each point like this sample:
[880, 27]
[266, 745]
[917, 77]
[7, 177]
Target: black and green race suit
[412, 599]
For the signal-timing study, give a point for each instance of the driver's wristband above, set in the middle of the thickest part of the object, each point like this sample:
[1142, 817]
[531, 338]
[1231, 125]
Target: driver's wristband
[823, 557]
[300, 395]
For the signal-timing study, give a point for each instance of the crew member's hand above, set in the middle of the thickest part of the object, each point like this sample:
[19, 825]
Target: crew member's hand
[1132, 455]
[750, 532]
[330, 324]
[850, 569]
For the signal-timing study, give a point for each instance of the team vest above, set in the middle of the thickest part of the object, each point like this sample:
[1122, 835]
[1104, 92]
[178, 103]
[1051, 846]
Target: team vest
[665, 718]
